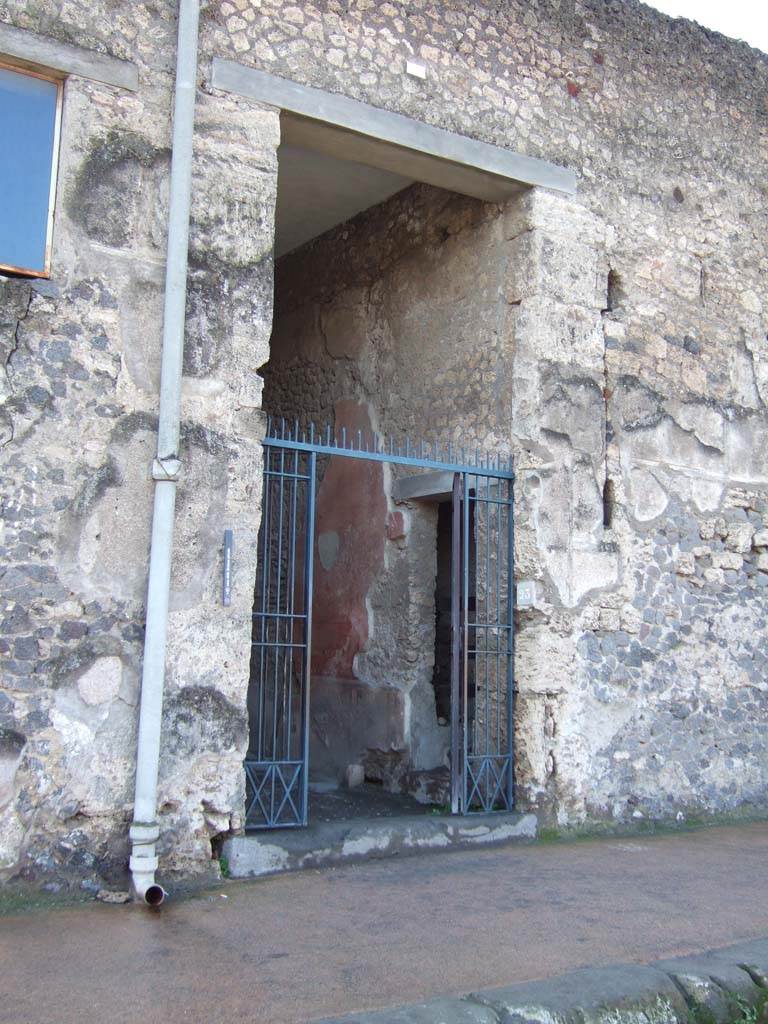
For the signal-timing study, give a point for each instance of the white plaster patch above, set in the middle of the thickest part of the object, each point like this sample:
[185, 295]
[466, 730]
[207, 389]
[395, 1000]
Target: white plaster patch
[439, 839]
[101, 683]
[750, 300]
[525, 827]
[11, 837]
[707, 494]
[88, 549]
[366, 844]
[76, 735]
[499, 833]
[258, 859]
[477, 832]
[706, 423]
[650, 498]
[533, 1013]
[314, 855]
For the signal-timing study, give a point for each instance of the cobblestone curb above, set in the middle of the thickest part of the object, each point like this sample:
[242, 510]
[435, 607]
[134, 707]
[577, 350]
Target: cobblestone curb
[667, 992]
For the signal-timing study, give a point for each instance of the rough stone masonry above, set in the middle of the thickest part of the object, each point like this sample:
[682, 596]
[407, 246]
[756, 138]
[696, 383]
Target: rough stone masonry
[621, 357]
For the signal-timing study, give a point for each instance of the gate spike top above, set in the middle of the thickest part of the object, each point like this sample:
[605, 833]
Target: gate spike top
[429, 453]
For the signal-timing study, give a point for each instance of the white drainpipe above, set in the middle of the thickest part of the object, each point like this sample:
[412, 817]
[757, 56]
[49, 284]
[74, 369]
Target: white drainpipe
[144, 831]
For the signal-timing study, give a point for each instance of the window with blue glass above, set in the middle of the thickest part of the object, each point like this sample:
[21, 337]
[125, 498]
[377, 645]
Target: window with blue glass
[30, 108]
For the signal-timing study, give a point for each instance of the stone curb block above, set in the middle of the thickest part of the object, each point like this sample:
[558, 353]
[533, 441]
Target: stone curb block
[435, 1011]
[662, 993]
[751, 957]
[710, 982]
[623, 992]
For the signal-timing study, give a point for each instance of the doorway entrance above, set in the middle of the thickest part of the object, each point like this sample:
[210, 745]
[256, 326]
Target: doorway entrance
[481, 603]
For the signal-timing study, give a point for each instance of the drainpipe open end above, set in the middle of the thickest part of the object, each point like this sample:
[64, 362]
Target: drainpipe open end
[154, 895]
[146, 890]
[143, 864]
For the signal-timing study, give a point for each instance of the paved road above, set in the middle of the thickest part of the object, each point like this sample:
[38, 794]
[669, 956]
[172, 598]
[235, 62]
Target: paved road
[295, 948]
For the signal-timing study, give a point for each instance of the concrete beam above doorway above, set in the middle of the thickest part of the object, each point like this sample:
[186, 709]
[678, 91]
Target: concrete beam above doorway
[437, 486]
[342, 127]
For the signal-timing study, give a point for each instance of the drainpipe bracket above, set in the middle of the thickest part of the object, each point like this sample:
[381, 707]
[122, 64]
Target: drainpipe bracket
[166, 469]
[144, 833]
[143, 865]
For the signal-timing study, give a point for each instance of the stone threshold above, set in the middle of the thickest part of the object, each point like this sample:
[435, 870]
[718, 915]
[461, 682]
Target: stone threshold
[714, 986]
[333, 843]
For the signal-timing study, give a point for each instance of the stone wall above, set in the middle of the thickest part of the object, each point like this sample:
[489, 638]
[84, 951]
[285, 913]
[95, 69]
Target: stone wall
[80, 355]
[639, 331]
[635, 332]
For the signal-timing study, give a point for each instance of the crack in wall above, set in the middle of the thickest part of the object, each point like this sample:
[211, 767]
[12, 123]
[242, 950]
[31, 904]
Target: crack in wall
[16, 344]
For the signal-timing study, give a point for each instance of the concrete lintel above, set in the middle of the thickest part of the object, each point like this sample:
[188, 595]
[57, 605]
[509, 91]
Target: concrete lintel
[369, 135]
[30, 50]
[436, 486]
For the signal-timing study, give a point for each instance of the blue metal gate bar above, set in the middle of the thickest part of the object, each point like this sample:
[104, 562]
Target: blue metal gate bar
[485, 759]
[276, 763]
[466, 573]
[458, 643]
[309, 576]
[424, 455]
[510, 635]
[482, 652]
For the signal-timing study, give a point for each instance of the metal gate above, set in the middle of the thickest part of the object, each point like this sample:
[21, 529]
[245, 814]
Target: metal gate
[482, 634]
[482, 671]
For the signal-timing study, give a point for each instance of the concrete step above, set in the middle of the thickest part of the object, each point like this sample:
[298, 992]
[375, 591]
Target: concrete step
[329, 843]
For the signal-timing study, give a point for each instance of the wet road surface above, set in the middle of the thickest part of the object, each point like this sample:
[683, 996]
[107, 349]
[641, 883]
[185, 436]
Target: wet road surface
[295, 948]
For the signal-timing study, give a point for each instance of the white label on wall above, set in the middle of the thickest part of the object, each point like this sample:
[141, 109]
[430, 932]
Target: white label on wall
[417, 70]
[525, 593]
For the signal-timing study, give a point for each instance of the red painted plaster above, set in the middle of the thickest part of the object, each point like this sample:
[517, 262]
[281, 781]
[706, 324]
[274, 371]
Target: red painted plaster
[350, 504]
[396, 525]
